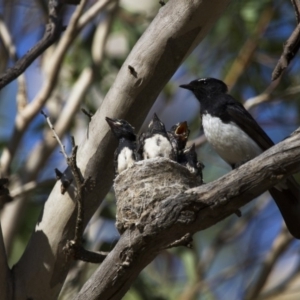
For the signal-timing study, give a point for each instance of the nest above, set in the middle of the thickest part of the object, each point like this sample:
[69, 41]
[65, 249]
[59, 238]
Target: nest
[138, 189]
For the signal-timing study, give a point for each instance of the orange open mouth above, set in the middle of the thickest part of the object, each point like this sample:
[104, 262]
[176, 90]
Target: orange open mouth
[182, 128]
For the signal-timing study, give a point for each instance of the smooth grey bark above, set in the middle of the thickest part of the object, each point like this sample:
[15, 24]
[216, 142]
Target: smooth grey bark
[178, 217]
[178, 27]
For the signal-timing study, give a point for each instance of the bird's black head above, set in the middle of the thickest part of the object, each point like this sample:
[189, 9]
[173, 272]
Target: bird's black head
[156, 126]
[181, 132]
[206, 87]
[121, 129]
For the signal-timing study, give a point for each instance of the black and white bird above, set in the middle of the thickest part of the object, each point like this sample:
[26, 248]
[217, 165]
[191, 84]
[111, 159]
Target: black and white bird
[178, 136]
[155, 141]
[237, 138]
[188, 158]
[124, 156]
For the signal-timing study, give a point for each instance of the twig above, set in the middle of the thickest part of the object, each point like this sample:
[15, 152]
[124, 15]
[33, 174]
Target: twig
[269, 95]
[263, 97]
[63, 149]
[296, 5]
[290, 47]
[74, 248]
[186, 241]
[52, 33]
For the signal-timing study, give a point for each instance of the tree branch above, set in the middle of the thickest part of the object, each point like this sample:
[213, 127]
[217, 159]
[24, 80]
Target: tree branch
[290, 48]
[52, 33]
[187, 213]
[296, 5]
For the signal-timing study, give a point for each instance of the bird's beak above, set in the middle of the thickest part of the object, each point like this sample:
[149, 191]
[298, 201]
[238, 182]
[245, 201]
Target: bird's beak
[112, 122]
[182, 128]
[187, 87]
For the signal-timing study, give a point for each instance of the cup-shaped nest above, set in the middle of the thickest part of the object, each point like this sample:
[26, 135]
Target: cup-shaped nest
[139, 188]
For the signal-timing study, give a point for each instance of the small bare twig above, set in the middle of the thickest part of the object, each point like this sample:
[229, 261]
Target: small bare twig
[63, 149]
[291, 46]
[186, 241]
[296, 5]
[74, 248]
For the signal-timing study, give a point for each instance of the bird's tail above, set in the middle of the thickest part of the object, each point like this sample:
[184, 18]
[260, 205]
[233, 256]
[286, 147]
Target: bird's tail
[288, 202]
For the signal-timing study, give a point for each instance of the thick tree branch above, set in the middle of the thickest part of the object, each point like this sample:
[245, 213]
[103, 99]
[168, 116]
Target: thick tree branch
[175, 31]
[187, 213]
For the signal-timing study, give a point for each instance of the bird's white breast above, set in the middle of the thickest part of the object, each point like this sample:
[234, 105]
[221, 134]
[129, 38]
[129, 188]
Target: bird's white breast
[157, 146]
[229, 140]
[125, 159]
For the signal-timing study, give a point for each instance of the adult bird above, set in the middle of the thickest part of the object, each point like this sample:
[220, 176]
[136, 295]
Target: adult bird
[124, 156]
[155, 142]
[237, 138]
